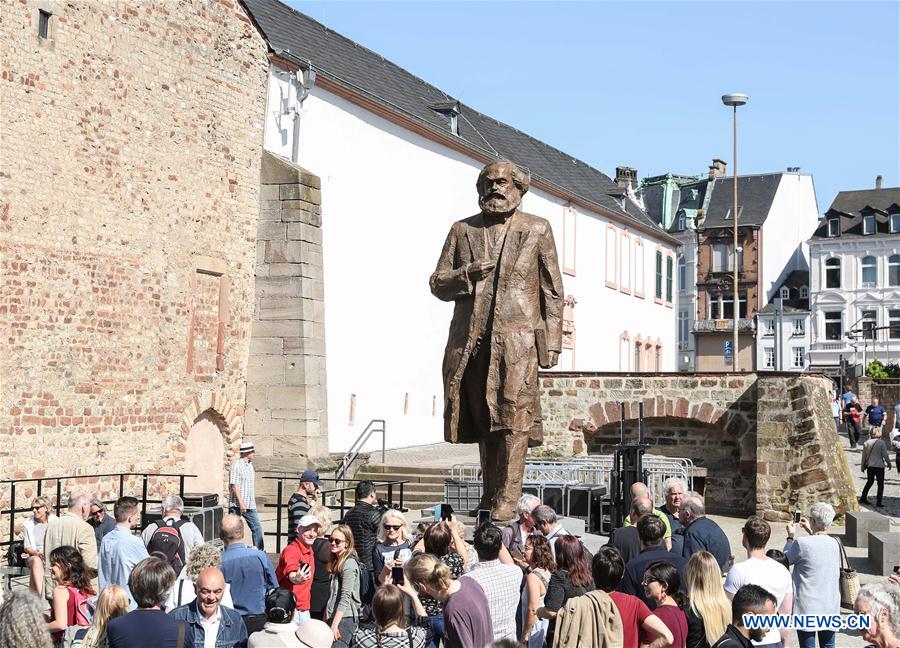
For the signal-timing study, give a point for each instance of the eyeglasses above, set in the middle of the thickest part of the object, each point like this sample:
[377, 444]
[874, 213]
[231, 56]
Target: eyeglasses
[336, 541]
[393, 527]
[97, 512]
[647, 581]
[36, 508]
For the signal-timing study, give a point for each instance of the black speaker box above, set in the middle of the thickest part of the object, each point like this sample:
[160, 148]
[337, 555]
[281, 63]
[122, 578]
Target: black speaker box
[206, 519]
[201, 500]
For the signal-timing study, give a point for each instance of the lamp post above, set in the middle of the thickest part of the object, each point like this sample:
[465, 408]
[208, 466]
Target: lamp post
[734, 100]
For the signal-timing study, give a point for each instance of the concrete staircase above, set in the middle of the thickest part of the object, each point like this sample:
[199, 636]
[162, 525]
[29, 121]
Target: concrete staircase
[424, 489]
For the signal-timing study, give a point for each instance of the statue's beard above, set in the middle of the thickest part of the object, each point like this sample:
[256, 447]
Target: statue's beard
[497, 204]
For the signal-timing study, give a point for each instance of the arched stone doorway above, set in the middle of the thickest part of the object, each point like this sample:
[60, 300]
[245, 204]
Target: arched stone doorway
[205, 455]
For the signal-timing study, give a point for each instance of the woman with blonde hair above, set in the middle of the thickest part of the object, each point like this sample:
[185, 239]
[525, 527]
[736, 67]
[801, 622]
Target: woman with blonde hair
[33, 530]
[708, 610]
[466, 615]
[113, 602]
[342, 611]
[182, 592]
[393, 545]
[320, 589]
[874, 460]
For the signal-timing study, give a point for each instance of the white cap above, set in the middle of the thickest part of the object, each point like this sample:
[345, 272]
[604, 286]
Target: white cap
[314, 633]
[308, 520]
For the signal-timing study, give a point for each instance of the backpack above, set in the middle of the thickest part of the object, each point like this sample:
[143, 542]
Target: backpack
[366, 583]
[168, 541]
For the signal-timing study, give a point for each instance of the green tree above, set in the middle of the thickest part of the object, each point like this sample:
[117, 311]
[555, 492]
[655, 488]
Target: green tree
[876, 370]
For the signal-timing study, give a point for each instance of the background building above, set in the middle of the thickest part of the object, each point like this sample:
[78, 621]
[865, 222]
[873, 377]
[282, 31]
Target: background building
[855, 280]
[398, 159]
[777, 212]
[782, 327]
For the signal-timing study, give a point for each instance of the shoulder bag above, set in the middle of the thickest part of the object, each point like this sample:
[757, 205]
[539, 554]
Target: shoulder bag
[848, 580]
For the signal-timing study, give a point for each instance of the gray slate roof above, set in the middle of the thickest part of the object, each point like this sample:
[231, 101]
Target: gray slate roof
[755, 196]
[365, 72]
[794, 281]
[849, 206]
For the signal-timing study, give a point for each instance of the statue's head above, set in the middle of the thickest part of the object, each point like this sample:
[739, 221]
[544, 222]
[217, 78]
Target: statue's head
[501, 186]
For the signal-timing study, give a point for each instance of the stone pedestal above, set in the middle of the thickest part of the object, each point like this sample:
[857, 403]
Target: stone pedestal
[884, 551]
[859, 524]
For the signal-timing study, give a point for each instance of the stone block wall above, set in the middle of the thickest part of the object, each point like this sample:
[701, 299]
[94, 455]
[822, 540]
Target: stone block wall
[286, 398]
[129, 201]
[767, 443]
[800, 459]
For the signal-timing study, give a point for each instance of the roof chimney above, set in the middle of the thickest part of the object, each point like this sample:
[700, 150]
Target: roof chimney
[878, 181]
[717, 169]
[626, 177]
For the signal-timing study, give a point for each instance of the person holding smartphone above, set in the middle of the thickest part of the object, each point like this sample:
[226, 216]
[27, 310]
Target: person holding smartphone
[393, 546]
[296, 565]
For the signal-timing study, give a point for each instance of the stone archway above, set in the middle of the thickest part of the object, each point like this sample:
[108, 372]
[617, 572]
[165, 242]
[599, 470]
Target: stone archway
[210, 429]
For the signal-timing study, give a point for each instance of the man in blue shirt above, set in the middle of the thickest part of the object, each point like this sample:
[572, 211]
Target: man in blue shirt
[847, 396]
[875, 413]
[248, 571]
[702, 534]
[120, 550]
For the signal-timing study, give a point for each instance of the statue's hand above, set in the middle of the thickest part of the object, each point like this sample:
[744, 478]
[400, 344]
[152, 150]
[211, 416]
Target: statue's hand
[478, 270]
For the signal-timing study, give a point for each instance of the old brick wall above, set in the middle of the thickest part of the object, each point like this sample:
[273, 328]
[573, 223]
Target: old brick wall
[800, 457]
[128, 210]
[886, 390]
[286, 402]
[763, 441]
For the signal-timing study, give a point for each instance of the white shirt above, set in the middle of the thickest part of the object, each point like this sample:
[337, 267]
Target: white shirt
[210, 629]
[768, 574]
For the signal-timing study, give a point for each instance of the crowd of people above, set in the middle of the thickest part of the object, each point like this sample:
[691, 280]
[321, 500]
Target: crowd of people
[875, 456]
[666, 580]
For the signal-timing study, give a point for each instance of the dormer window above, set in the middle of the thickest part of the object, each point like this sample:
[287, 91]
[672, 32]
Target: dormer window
[681, 223]
[895, 223]
[869, 224]
[834, 227]
[785, 293]
[804, 292]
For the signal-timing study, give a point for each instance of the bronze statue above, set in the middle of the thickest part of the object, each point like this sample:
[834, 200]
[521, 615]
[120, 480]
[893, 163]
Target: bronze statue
[501, 269]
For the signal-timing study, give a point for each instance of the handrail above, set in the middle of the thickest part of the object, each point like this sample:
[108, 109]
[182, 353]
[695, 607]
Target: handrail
[361, 440]
[11, 512]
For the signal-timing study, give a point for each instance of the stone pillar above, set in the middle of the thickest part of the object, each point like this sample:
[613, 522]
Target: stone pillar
[286, 402]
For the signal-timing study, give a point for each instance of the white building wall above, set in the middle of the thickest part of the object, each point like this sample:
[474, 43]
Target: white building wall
[792, 219]
[852, 298]
[389, 197]
[790, 340]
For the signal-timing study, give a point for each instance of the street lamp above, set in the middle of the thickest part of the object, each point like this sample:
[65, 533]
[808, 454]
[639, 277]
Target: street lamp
[734, 100]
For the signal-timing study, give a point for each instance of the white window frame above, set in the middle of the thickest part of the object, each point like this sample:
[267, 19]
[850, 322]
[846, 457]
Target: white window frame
[769, 328]
[869, 224]
[863, 266]
[798, 357]
[682, 273]
[839, 320]
[894, 323]
[769, 357]
[834, 227]
[872, 332]
[838, 267]
[785, 292]
[798, 328]
[893, 263]
[804, 292]
[895, 222]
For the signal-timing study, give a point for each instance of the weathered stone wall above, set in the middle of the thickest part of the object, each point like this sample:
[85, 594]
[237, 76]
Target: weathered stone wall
[286, 402]
[129, 200]
[886, 390]
[767, 443]
[800, 459]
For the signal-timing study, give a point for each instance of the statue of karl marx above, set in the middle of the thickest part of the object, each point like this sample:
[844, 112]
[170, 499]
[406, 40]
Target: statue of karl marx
[501, 269]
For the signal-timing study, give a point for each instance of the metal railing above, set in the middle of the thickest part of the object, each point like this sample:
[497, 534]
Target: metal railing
[375, 426]
[15, 484]
[593, 470]
[341, 497]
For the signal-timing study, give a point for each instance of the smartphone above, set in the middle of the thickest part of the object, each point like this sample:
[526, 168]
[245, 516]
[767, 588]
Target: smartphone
[484, 517]
[897, 569]
[446, 512]
[437, 512]
[397, 575]
[796, 517]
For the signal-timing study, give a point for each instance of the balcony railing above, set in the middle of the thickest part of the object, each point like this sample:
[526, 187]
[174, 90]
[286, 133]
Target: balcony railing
[722, 325]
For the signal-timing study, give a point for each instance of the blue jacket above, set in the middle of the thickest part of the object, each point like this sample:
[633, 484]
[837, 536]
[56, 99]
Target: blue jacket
[250, 575]
[704, 534]
[232, 631]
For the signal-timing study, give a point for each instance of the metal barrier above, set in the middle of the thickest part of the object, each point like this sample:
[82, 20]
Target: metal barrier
[342, 505]
[375, 426]
[592, 470]
[16, 484]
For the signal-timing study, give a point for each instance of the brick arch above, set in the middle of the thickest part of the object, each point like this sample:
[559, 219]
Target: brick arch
[217, 403]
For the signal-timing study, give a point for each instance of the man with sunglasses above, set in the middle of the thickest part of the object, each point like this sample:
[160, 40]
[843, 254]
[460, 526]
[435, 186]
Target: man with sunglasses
[98, 519]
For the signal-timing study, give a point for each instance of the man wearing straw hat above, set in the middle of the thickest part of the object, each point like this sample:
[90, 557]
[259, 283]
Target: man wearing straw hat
[241, 491]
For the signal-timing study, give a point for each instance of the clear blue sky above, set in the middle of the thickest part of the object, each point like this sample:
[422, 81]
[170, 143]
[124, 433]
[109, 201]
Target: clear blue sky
[639, 83]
